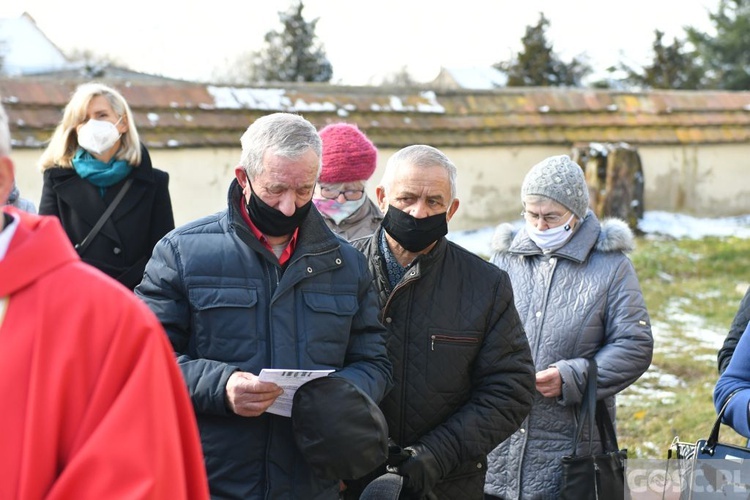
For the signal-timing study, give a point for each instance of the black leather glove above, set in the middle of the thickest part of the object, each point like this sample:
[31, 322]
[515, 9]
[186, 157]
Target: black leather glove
[421, 471]
[396, 455]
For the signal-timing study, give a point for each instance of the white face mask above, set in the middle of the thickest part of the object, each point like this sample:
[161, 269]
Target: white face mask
[550, 238]
[97, 136]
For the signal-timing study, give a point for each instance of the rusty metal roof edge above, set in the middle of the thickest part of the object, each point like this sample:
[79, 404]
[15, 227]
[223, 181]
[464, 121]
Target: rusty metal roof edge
[400, 116]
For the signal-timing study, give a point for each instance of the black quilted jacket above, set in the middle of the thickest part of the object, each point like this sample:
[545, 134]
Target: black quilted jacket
[462, 369]
[739, 324]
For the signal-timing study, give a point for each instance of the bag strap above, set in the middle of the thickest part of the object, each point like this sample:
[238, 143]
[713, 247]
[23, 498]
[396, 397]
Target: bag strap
[587, 407]
[606, 427]
[713, 438]
[83, 245]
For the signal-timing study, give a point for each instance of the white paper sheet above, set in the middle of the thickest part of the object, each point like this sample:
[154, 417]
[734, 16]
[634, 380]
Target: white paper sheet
[290, 381]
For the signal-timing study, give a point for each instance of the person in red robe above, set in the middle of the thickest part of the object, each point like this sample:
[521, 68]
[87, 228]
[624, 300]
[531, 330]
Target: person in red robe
[93, 403]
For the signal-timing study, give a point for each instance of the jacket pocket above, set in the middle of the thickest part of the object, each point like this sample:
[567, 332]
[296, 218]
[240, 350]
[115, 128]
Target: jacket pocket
[465, 481]
[327, 325]
[225, 322]
[450, 358]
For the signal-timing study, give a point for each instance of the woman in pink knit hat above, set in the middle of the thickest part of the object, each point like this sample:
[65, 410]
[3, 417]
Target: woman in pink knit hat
[349, 160]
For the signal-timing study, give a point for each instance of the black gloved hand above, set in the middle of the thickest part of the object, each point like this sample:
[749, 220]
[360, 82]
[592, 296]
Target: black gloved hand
[396, 455]
[421, 471]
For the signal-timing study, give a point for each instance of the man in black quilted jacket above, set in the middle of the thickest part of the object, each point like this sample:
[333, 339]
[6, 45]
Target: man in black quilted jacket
[739, 324]
[462, 369]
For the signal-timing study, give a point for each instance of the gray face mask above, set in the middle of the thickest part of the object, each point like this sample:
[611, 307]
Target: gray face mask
[97, 136]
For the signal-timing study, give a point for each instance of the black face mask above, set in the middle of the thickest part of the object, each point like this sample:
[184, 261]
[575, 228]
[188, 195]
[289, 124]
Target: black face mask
[272, 222]
[411, 233]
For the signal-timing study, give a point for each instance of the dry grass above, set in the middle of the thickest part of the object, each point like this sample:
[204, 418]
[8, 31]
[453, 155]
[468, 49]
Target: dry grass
[692, 289]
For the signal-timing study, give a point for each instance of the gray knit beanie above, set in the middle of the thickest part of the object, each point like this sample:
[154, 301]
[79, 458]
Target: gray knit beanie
[560, 179]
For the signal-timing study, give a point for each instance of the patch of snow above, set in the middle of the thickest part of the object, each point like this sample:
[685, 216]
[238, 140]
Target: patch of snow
[653, 223]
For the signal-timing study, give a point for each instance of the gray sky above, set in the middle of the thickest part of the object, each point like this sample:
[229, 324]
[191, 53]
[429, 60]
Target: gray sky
[364, 40]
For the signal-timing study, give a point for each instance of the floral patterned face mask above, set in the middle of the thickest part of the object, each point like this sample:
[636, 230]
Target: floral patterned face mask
[338, 211]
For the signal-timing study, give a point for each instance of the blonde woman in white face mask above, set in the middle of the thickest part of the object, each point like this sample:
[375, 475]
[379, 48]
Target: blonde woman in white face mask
[578, 297]
[95, 160]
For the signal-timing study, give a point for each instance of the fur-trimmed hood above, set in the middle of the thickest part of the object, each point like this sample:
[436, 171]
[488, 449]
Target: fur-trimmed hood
[614, 235]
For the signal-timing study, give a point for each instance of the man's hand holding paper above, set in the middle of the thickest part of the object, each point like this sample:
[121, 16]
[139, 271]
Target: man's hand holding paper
[248, 396]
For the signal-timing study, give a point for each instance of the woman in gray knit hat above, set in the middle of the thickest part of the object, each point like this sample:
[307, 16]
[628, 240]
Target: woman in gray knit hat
[579, 298]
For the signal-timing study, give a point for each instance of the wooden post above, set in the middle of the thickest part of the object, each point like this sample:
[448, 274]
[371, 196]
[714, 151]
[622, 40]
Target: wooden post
[615, 178]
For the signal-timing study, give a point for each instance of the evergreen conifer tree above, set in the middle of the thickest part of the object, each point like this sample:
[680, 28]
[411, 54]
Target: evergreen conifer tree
[725, 55]
[537, 64]
[672, 67]
[292, 54]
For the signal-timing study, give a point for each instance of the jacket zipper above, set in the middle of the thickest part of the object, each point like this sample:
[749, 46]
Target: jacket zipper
[447, 339]
[411, 276]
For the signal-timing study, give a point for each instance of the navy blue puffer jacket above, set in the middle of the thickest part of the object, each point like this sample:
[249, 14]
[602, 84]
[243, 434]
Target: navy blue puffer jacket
[228, 305]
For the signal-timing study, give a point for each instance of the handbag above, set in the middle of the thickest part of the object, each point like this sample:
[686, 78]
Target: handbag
[708, 468]
[83, 245]
[594, 476]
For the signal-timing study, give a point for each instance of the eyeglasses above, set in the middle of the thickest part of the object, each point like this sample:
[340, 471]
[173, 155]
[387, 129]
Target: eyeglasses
[549, 219]
[349, 194]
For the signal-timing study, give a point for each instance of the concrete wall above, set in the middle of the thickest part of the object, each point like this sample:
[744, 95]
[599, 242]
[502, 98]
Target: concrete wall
[198, 178]
[705, 180]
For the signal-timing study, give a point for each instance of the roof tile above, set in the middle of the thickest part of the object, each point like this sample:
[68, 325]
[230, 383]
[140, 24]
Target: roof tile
[197, 115]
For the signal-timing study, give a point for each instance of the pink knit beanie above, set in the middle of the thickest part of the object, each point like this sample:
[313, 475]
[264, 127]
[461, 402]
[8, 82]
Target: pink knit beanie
[348, 155]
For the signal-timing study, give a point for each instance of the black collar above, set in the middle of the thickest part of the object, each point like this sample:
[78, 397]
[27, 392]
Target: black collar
[7, 221]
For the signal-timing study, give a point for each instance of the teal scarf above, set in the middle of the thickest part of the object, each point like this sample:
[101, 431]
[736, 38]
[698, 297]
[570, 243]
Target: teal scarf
[99, 173]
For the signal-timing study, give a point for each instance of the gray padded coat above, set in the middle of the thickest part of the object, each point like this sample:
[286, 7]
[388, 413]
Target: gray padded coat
[580, 301]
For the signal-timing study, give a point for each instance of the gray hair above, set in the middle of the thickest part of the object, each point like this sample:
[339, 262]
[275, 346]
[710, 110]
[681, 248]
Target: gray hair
[4, 133]
[422, 156]
[283, 134]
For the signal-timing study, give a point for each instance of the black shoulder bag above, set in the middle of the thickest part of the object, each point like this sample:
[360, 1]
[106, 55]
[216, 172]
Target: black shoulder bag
[709, 468]
[594, 476]
[83, 245]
